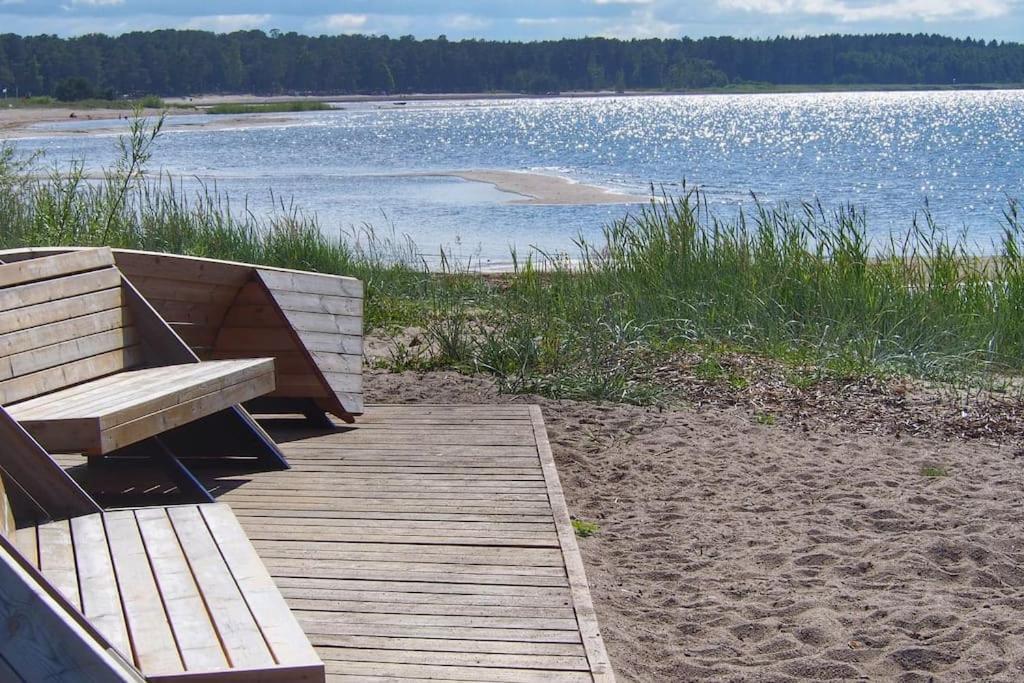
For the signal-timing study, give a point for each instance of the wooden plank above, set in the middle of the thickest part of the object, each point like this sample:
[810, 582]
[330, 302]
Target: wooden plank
[272, 340]
[315, 303]
[312, 603]
[314, 628]
[86, 346]
[448, 645]
[455, 555]
[600, 665]
[42, 314]
[49, 267]
[310, 283]
[41, 641]
[239, 632]
[317, 618]
[101, 597]
[184, 268]
[331, 595]
[194, 632]
[74, 285]
[57, 560]
[24, 461]
[453, 673]
[472, 659]
[250, 512]
[27, 542]
[184, 413]
[64, 330]
[153, 644]
[76, 372]
[286, 639]
[198, 337]
[196, 291]
[548, 593]
[410, 564]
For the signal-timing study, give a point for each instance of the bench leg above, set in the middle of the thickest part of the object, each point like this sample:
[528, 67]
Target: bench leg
[186, 481]
[317, 418]
[230, 433]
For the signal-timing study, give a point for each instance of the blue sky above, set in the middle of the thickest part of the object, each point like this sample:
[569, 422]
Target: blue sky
[524, 19]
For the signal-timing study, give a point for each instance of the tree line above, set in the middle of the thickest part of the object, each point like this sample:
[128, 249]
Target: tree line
[173, 62]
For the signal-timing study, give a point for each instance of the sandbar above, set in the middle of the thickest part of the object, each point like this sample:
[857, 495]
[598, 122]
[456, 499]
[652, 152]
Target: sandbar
[542, 189]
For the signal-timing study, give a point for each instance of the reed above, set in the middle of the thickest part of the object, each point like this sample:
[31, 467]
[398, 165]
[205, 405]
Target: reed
[267, 107]
[803, 286]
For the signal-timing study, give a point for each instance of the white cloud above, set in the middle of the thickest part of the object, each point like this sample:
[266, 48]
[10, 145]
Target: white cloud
[226, 23]
[642, 24]
[466, 22]
[95, 3]
[877, 10]
[622, 2]
[344, 23]
[535, 21]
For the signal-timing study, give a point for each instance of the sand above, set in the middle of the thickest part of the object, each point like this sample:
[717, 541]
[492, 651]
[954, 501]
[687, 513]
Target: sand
[731, 550]
[18, 122]
[542, 189]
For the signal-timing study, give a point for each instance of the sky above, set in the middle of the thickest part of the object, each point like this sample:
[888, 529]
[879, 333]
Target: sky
[524, 19]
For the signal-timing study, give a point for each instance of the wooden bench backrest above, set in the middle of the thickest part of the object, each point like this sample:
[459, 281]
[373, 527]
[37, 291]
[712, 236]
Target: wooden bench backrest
[63, 321]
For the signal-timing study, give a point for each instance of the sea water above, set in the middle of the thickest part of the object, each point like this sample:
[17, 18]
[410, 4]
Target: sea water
[890, 154]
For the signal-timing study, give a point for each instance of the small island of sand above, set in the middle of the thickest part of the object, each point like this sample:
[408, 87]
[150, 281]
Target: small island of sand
[541, 189]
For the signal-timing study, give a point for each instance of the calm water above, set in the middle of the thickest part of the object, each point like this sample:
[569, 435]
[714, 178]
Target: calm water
[886, 152]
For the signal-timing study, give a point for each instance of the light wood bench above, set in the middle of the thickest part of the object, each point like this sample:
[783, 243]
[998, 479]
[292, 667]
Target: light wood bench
[310, 323]
[87, 366]
[164, 594]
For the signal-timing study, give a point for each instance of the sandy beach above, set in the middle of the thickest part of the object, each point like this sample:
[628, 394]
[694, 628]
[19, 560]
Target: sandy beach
[541, 189]
[730, 550]
[19, 122]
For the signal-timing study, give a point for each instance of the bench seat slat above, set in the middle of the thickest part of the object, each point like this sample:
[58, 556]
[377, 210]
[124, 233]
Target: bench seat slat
[197, 639]
[153, 644]
[239, 632]
[57, 559]
[286, 639]
[101, 597]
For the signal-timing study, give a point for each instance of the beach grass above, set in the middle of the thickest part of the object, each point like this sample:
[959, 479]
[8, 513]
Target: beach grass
[802, 286]
[267, 107]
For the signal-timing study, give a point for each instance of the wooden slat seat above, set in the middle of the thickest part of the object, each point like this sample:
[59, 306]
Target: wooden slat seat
[166, 593]
[105, 414]
[87, 366]
[179, 591]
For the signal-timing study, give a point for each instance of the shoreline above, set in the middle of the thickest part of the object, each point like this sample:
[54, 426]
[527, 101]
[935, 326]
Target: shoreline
[17, 123]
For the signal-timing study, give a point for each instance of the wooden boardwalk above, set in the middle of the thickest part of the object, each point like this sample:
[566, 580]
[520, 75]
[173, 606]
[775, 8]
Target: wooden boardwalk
[426, 542]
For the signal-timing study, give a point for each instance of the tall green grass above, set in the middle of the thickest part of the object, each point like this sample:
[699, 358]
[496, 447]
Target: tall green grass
[803, 286]
[268, 107]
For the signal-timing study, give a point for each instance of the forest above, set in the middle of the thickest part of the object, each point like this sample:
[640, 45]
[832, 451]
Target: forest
[182, 62]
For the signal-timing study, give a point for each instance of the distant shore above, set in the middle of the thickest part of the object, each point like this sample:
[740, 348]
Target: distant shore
[19, 121]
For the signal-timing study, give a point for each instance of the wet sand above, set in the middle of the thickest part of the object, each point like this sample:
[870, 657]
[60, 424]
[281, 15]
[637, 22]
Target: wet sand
[541, 189]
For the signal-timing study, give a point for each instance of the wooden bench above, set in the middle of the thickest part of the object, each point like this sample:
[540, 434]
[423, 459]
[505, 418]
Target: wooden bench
[164, 594]
[310, 323]
[87, 366]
